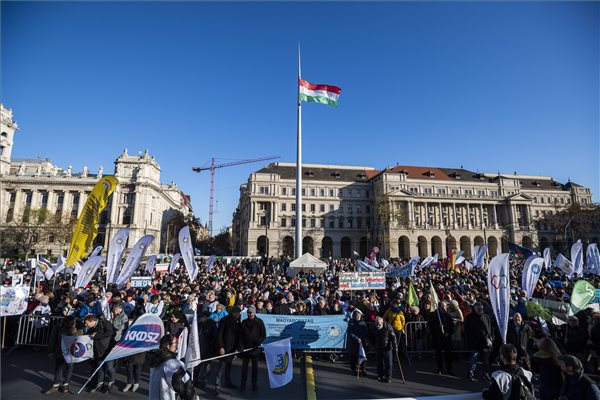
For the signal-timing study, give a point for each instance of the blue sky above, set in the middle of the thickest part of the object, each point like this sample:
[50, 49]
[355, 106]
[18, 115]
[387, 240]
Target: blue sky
[489, 86]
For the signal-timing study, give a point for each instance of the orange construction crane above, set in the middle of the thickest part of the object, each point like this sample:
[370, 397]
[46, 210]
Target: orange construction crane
[212, 181]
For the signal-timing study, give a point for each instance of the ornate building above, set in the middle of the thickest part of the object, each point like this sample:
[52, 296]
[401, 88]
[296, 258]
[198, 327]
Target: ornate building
[405, 210]
[140, 201]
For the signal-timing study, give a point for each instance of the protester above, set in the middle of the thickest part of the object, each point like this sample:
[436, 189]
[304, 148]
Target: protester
[384, 342]
[518, 334]
[102, 332]
[252, 334]
[227, 342]
[441, 327]
[576, 385]
[510, 380]
[168, 378]
[62, 370]
[357, 336]
[208, 334]
[546, 362]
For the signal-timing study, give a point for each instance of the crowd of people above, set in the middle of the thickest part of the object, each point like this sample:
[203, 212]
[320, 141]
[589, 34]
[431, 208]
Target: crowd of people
[563, 356]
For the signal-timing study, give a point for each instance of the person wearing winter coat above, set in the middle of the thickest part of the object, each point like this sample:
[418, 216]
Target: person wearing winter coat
[252, 334]
[383, 340]
[505, 380]
[168, 378]
[576, 386]
[518, 334]
[102, 332]
[62, 370]
[546, 362]
[119, 320]
[228, 340]
[479, 330]
[576, 339]
[441, 327]
[207, 332]
[357, 335]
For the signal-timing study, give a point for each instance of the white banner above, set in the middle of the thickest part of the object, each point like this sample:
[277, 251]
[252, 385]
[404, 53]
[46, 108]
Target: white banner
[499, 289]
[531, 273]
[187, 252]
[547, 258]
[60, 265]
[143, 335]
[427, 262]
[88, 270]
[174, 262]
[210, 262]
[115, 254]
[13, 300]
[95, 252]
[76, 349]
[280, 363]
[577, 257]
[151, 263]
[479, 260]
[193, 356]
[593, 259]
[133, 259]
[564, 264]
[362, 280]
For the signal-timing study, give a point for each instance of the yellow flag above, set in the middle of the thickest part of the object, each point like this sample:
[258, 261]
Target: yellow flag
[86, 229]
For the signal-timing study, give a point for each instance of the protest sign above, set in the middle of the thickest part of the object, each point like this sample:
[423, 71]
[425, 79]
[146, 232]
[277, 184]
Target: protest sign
[141, 281]
[13, 300]
[76, 349]
[362, 280]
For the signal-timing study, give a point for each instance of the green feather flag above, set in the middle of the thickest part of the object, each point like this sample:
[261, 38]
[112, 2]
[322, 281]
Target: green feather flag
[412, 298]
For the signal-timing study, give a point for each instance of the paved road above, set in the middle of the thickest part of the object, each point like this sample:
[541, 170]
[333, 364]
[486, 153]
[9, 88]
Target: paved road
[334, 381]
[26, 375]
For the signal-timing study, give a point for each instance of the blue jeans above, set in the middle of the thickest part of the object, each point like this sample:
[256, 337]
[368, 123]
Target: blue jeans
[485, 360]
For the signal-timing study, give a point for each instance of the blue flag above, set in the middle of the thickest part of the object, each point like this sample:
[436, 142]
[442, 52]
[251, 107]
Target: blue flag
[520, 251]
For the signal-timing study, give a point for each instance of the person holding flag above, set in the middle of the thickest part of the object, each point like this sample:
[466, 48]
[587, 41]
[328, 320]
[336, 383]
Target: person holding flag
[357, 337]
[252, 334]
[103, 333]
[441, 327]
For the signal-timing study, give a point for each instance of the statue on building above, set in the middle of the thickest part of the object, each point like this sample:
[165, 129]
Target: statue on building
[146, 156]
[54, 170]
[125, 153]
[84, 173]
[69, 171]
[38, 170]
[21, 170]
[100, 171]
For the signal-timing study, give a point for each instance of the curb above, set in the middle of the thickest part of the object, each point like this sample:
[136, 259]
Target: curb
[311, 392]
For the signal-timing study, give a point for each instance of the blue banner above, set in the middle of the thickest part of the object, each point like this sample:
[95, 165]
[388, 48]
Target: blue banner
[307, 331]
[556, 284]
[597, 298]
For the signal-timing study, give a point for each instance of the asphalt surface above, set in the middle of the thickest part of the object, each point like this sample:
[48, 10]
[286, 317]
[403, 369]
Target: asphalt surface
[335, 381]
[26, 374]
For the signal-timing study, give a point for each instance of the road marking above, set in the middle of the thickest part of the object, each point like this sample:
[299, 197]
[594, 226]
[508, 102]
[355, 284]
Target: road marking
[311, 392]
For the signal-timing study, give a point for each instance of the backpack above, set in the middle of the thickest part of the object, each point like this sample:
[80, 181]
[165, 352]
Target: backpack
[521, 388]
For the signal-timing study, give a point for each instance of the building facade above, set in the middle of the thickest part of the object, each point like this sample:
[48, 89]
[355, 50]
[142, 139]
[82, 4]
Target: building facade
[140, 201]
[405, 210]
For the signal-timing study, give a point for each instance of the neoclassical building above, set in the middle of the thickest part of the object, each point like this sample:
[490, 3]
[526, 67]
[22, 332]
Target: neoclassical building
[140, 201]
[405, 210]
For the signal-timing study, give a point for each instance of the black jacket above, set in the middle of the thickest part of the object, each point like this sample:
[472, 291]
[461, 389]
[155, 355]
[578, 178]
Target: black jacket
[579, 387]
[229, 334]
[252, 333]
[208, 333]
[477, 329]
[356, 330]
[180, 381]
[282, 309]
[103, 338]
[384, 338]
[436, 328]
[519, 340]
[576, 340]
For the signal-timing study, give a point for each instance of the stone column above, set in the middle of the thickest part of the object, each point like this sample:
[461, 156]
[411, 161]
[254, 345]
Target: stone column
[441, 217]
[469, 216]
[481, 221]
[411, 212]
[426, 215]
[454, 215]
[495, 217]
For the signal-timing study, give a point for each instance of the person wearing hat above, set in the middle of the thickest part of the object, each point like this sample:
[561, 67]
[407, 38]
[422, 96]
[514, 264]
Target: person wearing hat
[252, 334]
[357, 335]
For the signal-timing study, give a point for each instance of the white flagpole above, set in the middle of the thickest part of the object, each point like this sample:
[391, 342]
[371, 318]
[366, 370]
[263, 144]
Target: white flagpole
[299, 168]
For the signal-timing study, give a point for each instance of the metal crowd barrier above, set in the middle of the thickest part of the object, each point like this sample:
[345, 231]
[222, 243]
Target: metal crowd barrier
[35, 330]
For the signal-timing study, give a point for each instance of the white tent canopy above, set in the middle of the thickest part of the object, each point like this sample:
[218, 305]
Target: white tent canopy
[306, 263]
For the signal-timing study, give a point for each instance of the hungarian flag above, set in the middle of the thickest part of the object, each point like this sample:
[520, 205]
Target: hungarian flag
[326, 94]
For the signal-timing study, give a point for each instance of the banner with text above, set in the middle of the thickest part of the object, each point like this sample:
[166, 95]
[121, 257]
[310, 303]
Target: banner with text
[307, 332]
[362, 280]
